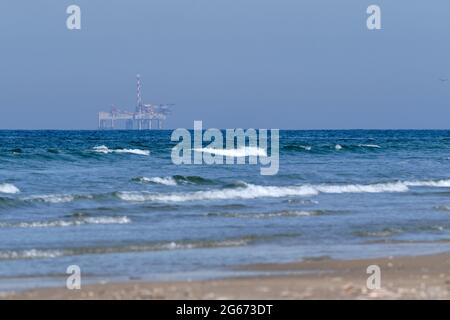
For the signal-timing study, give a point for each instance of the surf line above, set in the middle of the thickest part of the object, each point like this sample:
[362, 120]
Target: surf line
[239, 146]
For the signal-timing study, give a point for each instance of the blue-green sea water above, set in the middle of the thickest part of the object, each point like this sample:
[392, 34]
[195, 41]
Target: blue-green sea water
[113, 203]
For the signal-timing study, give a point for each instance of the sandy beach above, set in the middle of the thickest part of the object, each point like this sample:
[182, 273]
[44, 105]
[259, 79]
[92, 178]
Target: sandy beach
[422, 277]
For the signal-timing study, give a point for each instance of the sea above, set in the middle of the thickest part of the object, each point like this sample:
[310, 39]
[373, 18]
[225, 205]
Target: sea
[114, 204]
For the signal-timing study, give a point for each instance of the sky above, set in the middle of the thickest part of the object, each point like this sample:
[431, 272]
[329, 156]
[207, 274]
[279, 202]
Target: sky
[288, 64]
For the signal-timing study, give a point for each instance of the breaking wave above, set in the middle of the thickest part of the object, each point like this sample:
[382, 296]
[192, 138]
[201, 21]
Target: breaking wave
[326, 148]
[67, 223]
[30, 254]
[8, 188]
[429, 183]
[369, 146]
[268, 215]
[297, 147]
[237, 190]
[106, 150]
[170, 245]
[251, 191]
[237, 153]
[174, 180]
[56, 198]
[167, 181]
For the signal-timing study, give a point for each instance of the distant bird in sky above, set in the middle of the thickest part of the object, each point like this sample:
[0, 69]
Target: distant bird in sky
[443, 79]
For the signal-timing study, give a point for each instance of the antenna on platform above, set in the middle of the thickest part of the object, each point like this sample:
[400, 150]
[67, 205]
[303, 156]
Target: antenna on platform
[139, 98]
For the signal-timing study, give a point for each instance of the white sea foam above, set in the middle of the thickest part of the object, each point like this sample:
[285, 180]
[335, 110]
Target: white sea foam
[55, 253]
[107, 220]
[102, 149]
[369, 145]
[363, 188]
[68, 223]
[57, 198]
[250, 191]
[429, 183]
[168, 181]
[134, 151]
[106, 150]
[338, 147]
[51, 198]
[237, 153]
[399, 186]
[279, 214]
[224, 243]
[8, 188]
[30, 254]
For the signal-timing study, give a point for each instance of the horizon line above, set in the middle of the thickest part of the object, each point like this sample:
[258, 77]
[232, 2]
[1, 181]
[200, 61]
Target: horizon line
[281, 129]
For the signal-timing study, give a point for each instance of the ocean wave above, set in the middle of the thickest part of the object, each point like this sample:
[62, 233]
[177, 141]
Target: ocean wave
[8, 188]
[297, 147]
[48, 198]
[327, 148]
[236, 153]
[235, 184]
[291, 213]
[193, 180]
[7, 202]
[363, 188]
[251, 191]
[68, 223]
[16, 150]
[237, 190]
[105, 150]
[174, 180]
[386, 232]
[60, 198]
[268, 215]
[248, 192]
[442, 208]
[355, 147]
[406, 241]
[302, 201]
[162, 246]
[398, 186]
[369, 146]
[443, 183]
[392, 231]
[29, 254]
[51, 198]
[167, 181]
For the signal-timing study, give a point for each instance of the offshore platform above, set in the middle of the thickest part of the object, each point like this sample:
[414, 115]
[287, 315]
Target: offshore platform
[145, 116]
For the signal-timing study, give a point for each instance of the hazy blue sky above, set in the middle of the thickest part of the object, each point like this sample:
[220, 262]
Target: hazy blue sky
[232, 63]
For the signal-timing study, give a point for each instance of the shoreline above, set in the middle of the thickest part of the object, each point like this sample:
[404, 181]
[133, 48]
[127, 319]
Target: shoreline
[403, 277]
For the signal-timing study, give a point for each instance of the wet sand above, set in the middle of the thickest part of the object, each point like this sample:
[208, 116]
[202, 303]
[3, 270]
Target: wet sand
[422, 277]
